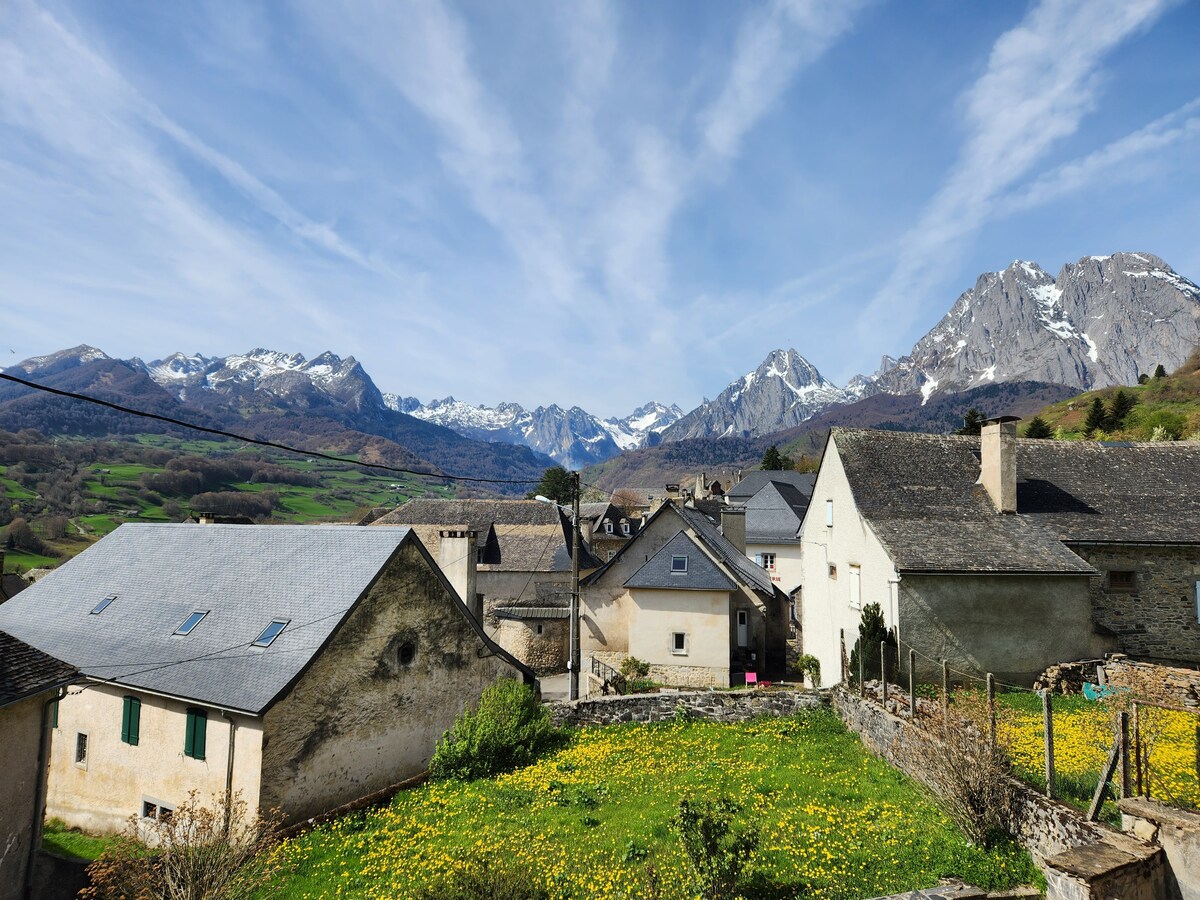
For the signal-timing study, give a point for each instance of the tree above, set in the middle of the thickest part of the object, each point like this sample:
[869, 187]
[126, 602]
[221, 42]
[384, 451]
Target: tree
[557, 484]
[1143, 378]
[1097, 417]
[774, 461]
[1037, 428]
[1122, 404]
[1160, 371]
[871, 632]
[972, 422]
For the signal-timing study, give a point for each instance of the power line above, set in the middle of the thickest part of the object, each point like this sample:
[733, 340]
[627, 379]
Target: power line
[249, 440]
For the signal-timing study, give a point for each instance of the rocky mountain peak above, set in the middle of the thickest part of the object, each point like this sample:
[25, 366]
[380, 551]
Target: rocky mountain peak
[60, 361]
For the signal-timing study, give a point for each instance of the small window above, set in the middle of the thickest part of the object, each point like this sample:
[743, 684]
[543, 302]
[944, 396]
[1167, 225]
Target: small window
[103, 605]
[679, 565]
[855, 586]
[539, 627]
[833, 571]
[679, 643]
[829, 513]
[196, 734]
[768, 561]
[1122, 581]
[625, 527]
[149, 810]
[608, 528]
[81, 749]
[191, 622]
[270, 633]
[131, 720]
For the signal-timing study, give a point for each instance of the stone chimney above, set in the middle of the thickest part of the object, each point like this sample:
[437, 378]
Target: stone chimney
[457, 557]
[733, 526]
[998, 462]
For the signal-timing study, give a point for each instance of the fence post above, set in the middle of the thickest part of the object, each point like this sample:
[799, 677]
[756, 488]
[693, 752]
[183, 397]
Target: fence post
[991, 705]
[883, 668]
[1137, 747]
[1123, 721]
[862, 682]
[1048, 726]
[844, 663]
[912, 683]
[945, 692]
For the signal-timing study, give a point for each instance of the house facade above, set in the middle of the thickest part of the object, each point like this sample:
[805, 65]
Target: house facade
[1003, 555]
[685, 599]
[30, 682]
[773, 517]
[227, 659]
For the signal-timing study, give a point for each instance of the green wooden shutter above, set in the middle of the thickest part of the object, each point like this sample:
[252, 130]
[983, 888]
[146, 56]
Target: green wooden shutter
[131, 720]
[54, 714]
[197, 732]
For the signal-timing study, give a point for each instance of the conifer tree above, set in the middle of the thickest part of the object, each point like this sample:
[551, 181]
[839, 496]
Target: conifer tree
[774, 461]
[1037, 428]
[1121, 405]
[972, 422]
[1097, 417]
[1160, 371]
[871, 632]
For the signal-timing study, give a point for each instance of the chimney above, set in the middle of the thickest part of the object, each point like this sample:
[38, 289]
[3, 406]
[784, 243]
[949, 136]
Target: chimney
[702, 486]
[457, 562]
[672, 491]
[733, 526]
[998, 462]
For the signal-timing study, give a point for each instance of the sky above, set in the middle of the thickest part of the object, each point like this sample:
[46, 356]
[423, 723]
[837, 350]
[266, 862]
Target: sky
[585, 203]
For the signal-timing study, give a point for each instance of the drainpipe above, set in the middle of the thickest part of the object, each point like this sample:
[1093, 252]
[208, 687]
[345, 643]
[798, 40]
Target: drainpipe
[229, 771]
[39, 798]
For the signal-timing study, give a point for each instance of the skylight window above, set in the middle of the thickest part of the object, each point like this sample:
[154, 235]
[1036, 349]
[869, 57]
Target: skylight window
[678, 565]
[270, 633]
[103, 605]
[192, 621]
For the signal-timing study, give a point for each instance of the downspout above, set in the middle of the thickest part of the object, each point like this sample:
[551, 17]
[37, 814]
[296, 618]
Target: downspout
[229, 771]
[39, 799]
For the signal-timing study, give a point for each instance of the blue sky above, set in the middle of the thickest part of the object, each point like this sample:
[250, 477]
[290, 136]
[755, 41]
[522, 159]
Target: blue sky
[584, 203]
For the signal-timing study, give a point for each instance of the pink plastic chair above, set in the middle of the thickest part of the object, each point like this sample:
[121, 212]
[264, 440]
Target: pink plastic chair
[751, 678]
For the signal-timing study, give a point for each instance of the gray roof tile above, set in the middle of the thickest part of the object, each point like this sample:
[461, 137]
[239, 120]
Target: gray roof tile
[754, 482]
[702, 573]
[26, 671]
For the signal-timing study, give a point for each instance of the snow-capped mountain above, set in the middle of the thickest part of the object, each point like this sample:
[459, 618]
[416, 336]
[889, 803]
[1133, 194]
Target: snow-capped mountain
[783, 391]
[1103, 321]
[572, 437]
[56, 362]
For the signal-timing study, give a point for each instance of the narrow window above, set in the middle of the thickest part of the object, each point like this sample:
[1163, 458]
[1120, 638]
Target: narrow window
[679, 643]
[164, 813]
[81, 748]
[624, 527]
[1123, 581]
[678, 565]
[833, 571]
[829, 513]
[608, 529]
[196, 735]
[191, 622]
[131, 720]
[539, 627]
[855, 586]
[103, 605]
[270, 633]
[149, 810]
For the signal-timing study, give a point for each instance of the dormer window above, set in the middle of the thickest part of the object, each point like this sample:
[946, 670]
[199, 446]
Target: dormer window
[270, 633]
[103, 605]
[678, 565]
[608, 526]
[191, 622]
[625, 527]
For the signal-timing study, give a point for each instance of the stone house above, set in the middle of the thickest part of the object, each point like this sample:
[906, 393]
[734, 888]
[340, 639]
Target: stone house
[524, 568]
[684, 598]
[606, 527]
[30, 683]
[303, 667]
[1004, 555]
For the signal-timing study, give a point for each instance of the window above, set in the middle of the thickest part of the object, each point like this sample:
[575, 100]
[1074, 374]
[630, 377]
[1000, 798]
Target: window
[1124, 581]
[679, 643]
[829, 513]
[191, 622]
[833, 572]
[270, 633]
[103, 605]
[768, 561]
[539, 627]
[81, 748]
[196, 735]
[131, 720]
[855, 586]
[678, 565]
[625, 527]
[156, 811]
[608, 529]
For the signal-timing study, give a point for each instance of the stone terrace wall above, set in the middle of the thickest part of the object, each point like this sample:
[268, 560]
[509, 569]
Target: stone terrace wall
[1166, 684]
[718, 706]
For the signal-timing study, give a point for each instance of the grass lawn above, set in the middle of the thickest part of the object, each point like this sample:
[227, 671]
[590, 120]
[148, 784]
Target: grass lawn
[593, 820]
[57, 838]
[22, 561]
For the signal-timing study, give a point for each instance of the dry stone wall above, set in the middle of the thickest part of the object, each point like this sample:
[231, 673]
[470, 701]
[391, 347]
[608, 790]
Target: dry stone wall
[717, 706]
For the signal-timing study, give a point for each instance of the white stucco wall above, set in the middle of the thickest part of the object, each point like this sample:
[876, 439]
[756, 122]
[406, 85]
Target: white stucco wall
[826, 609]
[789, 568]
[101, 796]
[655, 615]
[20, 733]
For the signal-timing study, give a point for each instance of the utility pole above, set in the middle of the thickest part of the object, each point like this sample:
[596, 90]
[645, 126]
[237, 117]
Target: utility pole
[574, 661]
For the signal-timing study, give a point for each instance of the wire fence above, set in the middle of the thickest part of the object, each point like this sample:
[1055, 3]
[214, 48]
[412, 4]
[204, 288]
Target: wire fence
[1088, 751]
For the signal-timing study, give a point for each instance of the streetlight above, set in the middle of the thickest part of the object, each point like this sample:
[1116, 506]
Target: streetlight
[573, 656]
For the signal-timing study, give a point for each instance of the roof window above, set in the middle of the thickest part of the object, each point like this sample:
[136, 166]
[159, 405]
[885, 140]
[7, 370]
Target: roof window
[103, 605]
[678, 565]
[191, 622]
[270, 633]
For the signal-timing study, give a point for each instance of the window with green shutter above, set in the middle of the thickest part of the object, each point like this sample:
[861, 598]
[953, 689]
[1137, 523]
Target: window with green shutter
[54, 714]
[131, 720]
[197, 733]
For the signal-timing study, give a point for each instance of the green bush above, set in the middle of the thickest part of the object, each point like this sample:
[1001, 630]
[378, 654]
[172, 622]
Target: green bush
[633, 668]
[717, 848]
[808, 666]
[484, 879]
[508, 730]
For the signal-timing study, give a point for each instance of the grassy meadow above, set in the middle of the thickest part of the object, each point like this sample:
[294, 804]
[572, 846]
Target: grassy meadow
[593, 820]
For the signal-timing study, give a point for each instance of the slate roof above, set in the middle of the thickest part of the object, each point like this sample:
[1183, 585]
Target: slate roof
[532, 612]
[246, 575]
[26, 671]
[702, 573]
[753, 482]
[11, 584]
[773, 515]
[754, 577]
[919, 494]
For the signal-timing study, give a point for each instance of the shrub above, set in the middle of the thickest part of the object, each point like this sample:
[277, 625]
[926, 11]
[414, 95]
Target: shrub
[484, 879]
[508, 730]
[717, 848]
[872, 631]
[633, 668]
[809, 667]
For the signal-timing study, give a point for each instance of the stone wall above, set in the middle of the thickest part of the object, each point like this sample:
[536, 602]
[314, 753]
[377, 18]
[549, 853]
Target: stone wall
[717, 706]
[1165, 684]
[1177, 832]
[1157, 619]
[545, 653]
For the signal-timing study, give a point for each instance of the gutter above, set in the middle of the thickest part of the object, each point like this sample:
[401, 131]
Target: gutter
[39, 794]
